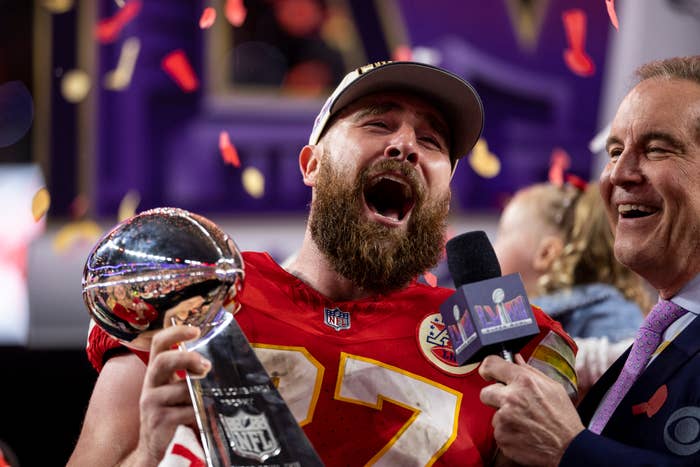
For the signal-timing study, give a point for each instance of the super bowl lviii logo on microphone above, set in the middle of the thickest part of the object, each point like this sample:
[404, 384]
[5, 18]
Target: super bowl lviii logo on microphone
[482, 316]
[502, 314]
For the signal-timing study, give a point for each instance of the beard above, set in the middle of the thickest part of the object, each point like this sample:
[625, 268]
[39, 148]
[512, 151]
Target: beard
[373, 256]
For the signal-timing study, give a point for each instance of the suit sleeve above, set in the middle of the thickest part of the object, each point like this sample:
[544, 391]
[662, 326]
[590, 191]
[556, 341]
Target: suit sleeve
[588, 449]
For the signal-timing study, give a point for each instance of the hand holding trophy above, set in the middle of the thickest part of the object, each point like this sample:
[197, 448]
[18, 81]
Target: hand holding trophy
[168, 266]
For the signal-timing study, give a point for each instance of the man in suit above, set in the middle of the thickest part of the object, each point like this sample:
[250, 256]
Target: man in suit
[646, 409]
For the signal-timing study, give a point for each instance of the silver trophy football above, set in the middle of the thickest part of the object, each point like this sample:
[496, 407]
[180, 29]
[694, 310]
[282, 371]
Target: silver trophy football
[169, 266]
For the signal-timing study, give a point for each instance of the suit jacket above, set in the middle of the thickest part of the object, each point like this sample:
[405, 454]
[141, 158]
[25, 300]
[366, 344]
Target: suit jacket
[657, 422]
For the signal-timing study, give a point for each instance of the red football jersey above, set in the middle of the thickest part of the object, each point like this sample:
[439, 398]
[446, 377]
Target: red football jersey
[372, 380]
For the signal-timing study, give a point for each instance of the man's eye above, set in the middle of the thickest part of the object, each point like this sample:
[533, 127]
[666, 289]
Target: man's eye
[615, 153]
[431, 141]
[378, 124]
[657, 153]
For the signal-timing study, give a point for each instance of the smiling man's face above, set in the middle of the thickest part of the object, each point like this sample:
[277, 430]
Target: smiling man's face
[382, 194]
[650, 184]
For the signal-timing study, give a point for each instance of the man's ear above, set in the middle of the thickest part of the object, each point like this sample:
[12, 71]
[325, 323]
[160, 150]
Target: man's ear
[309, 163]
[549, 249]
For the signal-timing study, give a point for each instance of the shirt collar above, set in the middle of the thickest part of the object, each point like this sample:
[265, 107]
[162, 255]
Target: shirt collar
[689, 296]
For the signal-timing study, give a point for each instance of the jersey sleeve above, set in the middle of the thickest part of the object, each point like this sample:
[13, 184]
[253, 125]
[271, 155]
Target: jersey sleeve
[553, 352]
[101, 347]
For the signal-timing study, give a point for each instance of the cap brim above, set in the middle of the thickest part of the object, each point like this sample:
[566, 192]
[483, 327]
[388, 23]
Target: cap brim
[456, 98]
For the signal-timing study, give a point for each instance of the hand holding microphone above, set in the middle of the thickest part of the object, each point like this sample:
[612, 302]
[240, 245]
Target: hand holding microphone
[490, 314]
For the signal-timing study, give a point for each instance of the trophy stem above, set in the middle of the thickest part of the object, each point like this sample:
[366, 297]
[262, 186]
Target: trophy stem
[213, 451]
[242, 419]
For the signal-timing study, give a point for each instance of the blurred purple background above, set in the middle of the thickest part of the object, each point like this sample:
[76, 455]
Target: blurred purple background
[157, 140]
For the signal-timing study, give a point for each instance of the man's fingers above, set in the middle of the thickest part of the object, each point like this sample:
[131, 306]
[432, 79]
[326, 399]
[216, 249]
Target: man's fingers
[174, 416]
[167, 395]
[164, 361]
[168, 337]
[493, 395]
[508, 376]
[163, 366]
[494, 368]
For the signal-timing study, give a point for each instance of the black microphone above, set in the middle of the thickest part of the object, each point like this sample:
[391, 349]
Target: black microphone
[488, 313]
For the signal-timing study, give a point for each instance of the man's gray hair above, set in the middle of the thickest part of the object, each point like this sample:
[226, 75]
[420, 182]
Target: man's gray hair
[672, 68]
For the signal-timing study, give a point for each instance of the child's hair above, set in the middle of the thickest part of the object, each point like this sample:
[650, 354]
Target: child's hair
[588, 253]
[555, 205]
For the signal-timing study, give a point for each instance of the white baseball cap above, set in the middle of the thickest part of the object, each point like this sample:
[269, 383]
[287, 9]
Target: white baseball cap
[454, 97]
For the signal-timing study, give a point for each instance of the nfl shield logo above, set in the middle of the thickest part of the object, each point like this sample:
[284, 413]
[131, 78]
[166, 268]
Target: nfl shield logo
[336, 318]
[250, 436]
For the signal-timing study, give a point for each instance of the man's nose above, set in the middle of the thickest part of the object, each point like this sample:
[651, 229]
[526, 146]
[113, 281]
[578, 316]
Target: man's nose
[626, 170]
[403, 146]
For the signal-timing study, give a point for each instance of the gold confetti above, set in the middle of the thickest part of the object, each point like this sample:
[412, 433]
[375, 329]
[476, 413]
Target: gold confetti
[40, 203]
[76, 233]
[75, 85]
[484, 162]
[253, 182]
[120, 78]
[58, 6]
[128, 205]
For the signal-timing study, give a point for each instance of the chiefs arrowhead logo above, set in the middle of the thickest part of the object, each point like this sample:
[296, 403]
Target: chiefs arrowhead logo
[434, 344]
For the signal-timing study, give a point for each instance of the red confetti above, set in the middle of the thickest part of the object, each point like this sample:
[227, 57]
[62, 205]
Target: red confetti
[178, 67]
[235, 12]
[575, 56]
[558, 163]
[107, 30]
[207, 19]
[79, 206]
[228, 150]
[653, 405]
[402, 53]
[430, 279]
[610, 4]
[576, 181]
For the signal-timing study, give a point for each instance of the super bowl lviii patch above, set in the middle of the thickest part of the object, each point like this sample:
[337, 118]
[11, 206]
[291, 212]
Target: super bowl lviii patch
[556, 359]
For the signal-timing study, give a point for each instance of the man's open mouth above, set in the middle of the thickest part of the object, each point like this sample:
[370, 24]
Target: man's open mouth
[390, 197]
[633, 211]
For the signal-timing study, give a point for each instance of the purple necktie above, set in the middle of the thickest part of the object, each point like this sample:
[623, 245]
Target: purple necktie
[647, 341]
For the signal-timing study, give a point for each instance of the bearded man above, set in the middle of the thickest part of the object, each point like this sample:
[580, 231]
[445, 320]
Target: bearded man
[357, 343]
